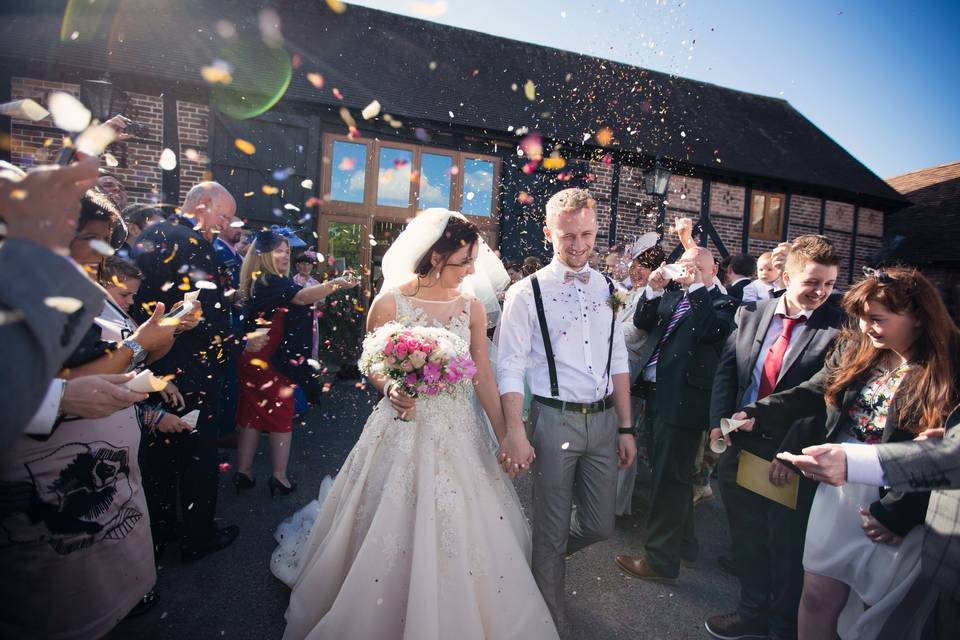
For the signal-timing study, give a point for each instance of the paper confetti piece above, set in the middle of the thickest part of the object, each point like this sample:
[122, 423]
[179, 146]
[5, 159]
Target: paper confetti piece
[24, 110]
[269, 190]
[530, 90]
[244, 146]
[604, 136]
[219, 72]
[307, 184]
[257, 362]
[168, 160]
[68, 113]
[372, 110]
[63, 304]
[316, 80]
[336, 6]
[101, 247]
[337, 94]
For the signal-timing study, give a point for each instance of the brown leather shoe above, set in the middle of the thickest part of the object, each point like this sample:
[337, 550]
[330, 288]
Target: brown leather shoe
[637, 567]
[732, 626]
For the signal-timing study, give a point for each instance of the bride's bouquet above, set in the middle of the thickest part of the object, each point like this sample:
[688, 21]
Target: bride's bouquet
[424, 361]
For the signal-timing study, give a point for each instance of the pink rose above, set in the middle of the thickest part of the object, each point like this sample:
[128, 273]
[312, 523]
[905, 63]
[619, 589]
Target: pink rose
[418, 359]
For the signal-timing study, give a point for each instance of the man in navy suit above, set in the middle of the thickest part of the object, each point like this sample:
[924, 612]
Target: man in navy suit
[778, 344]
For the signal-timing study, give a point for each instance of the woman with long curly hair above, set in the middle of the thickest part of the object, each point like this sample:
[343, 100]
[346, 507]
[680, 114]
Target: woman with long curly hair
[893, 375]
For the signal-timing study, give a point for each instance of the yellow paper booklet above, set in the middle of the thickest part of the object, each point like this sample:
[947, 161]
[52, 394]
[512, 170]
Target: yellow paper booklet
[753, 473]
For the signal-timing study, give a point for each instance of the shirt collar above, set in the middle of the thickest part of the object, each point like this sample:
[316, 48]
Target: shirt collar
[781, 310]
[558, 269]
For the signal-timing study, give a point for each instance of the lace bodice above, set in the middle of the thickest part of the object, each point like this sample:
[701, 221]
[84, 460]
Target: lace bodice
[452, 315]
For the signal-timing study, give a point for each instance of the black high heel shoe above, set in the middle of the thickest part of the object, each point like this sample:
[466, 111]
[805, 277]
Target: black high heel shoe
[242, 482]
[278, 487]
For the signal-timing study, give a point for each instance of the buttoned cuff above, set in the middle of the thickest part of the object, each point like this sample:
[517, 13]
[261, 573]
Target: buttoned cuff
[46, 416]
[863, 464]
[693, 287]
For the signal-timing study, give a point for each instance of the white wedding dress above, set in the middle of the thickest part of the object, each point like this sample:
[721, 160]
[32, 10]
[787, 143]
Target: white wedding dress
[420, 536]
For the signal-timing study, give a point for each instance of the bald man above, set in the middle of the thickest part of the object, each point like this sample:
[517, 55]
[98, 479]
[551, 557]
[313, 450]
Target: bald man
[686, 332]
[184, 466]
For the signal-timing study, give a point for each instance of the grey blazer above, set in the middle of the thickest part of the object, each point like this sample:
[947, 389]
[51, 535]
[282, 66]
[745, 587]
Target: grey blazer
[921, 466]
[39, 338]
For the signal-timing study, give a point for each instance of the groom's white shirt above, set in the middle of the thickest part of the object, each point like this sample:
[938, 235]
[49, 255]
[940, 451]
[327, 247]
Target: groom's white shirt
[578, 318]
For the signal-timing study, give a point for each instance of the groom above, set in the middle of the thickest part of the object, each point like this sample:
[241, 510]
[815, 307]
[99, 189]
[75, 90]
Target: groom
[558, 331]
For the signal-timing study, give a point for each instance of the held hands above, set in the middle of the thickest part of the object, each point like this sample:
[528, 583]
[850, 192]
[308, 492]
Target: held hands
[516, 453]
[876, 531]
[780, 473]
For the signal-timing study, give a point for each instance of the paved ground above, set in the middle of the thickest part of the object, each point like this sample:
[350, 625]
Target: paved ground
[233, 595]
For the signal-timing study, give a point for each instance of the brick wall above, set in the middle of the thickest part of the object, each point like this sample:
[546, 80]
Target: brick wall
[192, 121]
[34, 143]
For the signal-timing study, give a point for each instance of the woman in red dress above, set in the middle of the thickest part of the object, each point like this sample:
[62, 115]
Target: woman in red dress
[278, 313]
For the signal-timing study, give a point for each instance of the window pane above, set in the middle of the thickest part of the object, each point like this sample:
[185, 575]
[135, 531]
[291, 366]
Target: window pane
[393, 183]
[348, 171]
[435, 180]
[384, 233]
[344, 240]
[477, 187]
[756, 213]
[773, 215]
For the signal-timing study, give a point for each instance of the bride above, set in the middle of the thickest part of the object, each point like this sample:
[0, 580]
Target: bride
[421, 535]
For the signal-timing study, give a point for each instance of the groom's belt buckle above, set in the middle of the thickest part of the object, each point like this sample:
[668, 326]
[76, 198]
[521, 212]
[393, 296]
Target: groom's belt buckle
[583, 408]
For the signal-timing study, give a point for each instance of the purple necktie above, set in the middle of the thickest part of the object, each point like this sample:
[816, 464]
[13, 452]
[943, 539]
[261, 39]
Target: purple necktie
[675, 319]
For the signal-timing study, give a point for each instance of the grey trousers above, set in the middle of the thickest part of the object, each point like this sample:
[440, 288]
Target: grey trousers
[576, 464]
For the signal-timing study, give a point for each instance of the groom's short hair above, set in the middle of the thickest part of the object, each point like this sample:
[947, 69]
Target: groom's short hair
[566, 201]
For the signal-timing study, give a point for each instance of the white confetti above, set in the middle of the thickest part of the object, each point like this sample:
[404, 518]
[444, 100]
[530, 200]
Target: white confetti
[307, 184]
[111, 160]
[291, 207]
[68, 113]
[565, 446]
[372, 110]
[101, 247]
[168, 160]
[95, 140]
[24, 110]
[63, 304]
[204, 284]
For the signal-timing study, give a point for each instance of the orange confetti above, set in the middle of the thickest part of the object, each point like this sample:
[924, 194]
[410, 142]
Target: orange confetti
[604, 136]
[172, 253]
[257, 362]
[554, 162]
[336, 6]
[269, 189]
[316, 80]
[245, 146]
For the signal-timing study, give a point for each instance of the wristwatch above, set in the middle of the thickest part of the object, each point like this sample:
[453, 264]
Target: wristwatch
[139, 353]
[627, 431]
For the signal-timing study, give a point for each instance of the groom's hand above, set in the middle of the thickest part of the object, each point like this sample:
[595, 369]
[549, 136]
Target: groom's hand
[516, 453]
[626, 450]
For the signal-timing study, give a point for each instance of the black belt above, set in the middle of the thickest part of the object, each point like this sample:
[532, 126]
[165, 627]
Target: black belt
[577, 407]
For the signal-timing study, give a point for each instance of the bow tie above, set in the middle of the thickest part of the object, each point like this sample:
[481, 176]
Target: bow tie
[582, 276]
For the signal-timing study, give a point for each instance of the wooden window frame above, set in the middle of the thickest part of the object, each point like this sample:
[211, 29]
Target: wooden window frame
[456, 180]
[770, 231]
[326, 177]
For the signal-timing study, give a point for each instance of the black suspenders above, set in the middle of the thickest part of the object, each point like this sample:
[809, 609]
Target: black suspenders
[545, 334]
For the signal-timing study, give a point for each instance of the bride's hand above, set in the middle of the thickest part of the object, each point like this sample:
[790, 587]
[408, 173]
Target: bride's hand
[516, 453]
[401, 402]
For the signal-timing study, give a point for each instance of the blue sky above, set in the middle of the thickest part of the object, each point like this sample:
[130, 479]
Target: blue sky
[879, 77]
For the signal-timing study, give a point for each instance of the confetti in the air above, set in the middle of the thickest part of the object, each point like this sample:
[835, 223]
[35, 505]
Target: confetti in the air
[63, 304]
[244, 146]
[68, 113]
[168, 160]
[370, 111]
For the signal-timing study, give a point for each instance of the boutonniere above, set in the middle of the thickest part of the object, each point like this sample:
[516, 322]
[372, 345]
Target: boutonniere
[618, 300]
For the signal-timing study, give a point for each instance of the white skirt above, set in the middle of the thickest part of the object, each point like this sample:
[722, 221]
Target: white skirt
[879, 575]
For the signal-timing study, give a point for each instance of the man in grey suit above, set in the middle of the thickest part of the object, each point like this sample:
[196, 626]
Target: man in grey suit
[47, 302]
[919, 465]
[777, 345]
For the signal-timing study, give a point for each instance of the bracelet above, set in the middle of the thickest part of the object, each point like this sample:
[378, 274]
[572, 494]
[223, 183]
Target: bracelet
[386, 387]
[626, 431]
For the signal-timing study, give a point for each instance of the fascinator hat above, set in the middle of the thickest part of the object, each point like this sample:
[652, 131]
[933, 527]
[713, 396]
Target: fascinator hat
[400, 260]
[266, 240]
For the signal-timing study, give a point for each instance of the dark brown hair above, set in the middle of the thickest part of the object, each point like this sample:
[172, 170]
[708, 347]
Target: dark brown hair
[929, 392]
[457, 234]
[116, 269]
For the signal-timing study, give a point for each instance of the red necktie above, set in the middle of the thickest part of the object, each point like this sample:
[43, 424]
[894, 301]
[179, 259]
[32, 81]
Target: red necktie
[774, 360]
